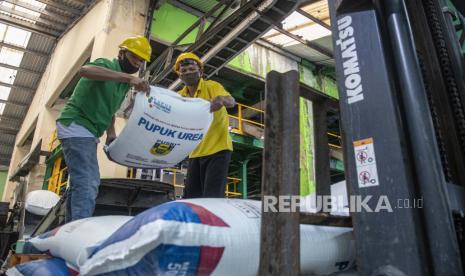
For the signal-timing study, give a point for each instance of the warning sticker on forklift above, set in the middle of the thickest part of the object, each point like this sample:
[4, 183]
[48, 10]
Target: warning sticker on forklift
[367, 173]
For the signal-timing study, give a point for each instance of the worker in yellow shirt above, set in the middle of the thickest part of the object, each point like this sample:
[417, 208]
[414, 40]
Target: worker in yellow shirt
[209, 162]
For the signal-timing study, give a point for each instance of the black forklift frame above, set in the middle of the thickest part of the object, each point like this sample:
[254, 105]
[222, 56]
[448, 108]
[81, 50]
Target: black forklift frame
[395, 70]
[385, 115]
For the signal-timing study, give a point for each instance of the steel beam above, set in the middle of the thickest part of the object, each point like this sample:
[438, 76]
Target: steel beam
[280, 235]
[310, 44]
[277, 48]
[307, 43]
[18, 23]
[17, 48]
[314, 19]
[231, 36]
[213, 32]
[312, 94]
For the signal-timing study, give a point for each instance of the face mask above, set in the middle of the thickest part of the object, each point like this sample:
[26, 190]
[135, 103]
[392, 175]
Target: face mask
[126, 66]
[190, 79]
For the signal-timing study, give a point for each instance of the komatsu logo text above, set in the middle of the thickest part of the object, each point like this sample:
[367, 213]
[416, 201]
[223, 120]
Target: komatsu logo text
[352, 78]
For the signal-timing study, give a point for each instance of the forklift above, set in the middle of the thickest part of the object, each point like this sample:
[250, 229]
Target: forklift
[401, 81]
[401, 78]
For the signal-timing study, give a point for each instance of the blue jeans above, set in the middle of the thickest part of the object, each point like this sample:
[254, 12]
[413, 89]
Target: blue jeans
[81, 158]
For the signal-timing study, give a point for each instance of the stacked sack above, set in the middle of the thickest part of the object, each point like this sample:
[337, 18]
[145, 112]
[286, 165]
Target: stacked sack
[69, 245]
[186, 237]
[209, 237]
[39, 202]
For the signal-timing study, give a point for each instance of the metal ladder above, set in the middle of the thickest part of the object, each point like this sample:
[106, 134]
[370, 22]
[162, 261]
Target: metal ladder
[224, 39]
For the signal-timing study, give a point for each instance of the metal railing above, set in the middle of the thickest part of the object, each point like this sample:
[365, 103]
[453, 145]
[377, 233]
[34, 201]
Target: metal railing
[53, 141]
[231, 187]
[175, 171]
[240, 117]
[58, 180]
[338, 138]
[59, 176]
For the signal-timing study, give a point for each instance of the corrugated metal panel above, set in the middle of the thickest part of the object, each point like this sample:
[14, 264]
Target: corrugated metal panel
[20, 95]
[27, 79]
[6, 151]
[73, 4]
[204, 5]
[9, 123]
[14, 111]
[59, 11]
[34, 62]
[7, 139]
[201, 5]
[312, 55]
[39, 43]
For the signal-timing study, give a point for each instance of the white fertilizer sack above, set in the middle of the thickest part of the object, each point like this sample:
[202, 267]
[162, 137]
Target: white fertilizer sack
[339, 201]
[209, 236]
[39, 202]
[162, 130]
[72, 241]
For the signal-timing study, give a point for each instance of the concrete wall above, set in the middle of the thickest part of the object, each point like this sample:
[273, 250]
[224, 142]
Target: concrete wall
[97, 34]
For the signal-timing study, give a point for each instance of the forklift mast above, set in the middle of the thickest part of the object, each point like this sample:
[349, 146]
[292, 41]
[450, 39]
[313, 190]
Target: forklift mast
[400, 69]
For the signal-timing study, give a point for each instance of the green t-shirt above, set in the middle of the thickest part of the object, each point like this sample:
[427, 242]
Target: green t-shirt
[94, 103]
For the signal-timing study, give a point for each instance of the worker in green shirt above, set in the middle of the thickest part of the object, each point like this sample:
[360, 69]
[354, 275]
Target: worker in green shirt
[90, 112]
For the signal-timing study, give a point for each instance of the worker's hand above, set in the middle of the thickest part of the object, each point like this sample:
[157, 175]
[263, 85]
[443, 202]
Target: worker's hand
[110, 138]
[140, 85]
[216, 103]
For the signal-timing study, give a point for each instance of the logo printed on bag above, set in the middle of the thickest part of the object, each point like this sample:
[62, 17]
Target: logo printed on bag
[162, 147]
[159, 105]
[164, 131]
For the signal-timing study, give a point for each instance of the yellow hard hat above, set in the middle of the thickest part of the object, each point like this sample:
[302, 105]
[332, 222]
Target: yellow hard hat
[184, 56]
[138, 45]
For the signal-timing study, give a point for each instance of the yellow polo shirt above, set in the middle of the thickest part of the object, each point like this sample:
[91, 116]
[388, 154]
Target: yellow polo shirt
[217, 137]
